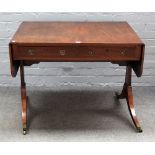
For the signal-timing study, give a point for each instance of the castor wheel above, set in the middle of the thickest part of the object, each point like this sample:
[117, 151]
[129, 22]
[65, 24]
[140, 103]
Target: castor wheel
[24, 131]
[139, 130]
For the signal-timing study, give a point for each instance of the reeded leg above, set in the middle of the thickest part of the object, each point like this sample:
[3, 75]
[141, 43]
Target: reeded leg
[23, 99]
[127, 93]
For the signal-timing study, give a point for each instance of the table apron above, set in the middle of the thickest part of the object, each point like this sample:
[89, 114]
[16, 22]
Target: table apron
[73, 53]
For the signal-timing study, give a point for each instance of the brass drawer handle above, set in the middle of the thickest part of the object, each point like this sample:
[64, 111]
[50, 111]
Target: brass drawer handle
[62, 52]
[123, 52]
[31, 52]
[91, 53]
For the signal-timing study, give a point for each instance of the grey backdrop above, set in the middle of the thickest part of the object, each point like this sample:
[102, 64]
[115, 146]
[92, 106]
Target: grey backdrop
[78, 74]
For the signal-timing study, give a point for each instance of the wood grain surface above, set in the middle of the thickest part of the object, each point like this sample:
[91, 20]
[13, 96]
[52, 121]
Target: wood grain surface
[76, 32]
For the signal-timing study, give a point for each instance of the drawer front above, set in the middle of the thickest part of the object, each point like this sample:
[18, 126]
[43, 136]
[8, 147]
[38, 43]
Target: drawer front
[80, 53]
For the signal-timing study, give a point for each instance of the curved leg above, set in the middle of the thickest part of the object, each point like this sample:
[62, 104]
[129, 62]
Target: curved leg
[127, 93]
[123, 94]
[131, 108]
[23, 99]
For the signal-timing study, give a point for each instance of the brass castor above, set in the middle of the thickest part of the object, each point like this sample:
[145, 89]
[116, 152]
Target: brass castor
[139, 130]
[24, 131]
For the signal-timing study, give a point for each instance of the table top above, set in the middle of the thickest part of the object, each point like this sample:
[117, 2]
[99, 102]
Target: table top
[75, 33]
[112, 41]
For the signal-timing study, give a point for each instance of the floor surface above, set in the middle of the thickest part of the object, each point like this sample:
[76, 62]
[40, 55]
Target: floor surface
[76, 114]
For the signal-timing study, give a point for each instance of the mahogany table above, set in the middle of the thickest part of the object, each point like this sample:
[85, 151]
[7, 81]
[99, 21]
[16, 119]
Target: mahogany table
[114, 42]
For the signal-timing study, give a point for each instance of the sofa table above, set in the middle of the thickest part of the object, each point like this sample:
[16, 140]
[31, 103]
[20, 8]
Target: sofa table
[114, 42]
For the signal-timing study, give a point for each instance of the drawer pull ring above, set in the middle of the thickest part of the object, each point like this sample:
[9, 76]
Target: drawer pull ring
[31, 52]
[91, 52]
[62, 52]
[123, 52]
